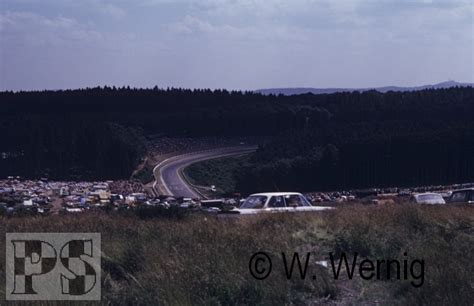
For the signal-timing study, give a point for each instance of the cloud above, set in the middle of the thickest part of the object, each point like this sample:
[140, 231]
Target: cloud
[191, 26]
[26, 28]
[263, 43]
[112, 10]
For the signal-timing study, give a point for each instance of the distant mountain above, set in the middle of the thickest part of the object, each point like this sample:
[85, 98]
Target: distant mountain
[303, 90]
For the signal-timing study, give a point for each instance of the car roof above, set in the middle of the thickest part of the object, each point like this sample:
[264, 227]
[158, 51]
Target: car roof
[464, 189]
[427, 193]
[270, 194]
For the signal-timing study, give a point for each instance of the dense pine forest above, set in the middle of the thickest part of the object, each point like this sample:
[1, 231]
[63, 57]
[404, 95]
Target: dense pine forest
[320, 142]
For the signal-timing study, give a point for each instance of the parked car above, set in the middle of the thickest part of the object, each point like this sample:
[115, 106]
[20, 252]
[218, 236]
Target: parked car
[428, 198]
[272, 202]
[462, 196]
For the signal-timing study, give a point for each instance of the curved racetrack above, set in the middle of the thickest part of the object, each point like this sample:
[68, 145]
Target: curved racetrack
[168, 177]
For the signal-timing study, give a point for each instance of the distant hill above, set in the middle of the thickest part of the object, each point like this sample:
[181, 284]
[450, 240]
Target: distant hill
[303, 90]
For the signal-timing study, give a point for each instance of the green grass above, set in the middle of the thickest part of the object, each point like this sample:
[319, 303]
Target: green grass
[198, 259]
[219, 172]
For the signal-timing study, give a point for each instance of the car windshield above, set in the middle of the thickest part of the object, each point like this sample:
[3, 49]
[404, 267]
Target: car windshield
[254, 202]
[430, 198]
[458, 196]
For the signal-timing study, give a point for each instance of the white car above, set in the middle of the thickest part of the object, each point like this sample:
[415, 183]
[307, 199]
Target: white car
[428, 198]
[273, 202]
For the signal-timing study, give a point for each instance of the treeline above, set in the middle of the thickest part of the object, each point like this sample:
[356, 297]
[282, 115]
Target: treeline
[172, 111]
[98, 133]
[372, 140]
[68, 148]
[442, 157]
[328, 141]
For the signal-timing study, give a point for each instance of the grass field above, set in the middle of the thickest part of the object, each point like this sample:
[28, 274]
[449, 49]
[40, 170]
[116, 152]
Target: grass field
[199, 259]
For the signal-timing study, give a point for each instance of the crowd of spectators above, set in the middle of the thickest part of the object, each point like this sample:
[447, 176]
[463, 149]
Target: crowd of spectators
[126, 187]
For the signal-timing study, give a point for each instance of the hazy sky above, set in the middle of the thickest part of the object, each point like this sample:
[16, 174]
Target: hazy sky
[240, 44]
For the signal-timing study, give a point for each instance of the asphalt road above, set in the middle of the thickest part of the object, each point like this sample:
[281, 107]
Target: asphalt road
[168, 178]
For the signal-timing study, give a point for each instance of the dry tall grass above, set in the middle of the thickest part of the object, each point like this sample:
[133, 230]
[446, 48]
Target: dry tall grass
[199, 259]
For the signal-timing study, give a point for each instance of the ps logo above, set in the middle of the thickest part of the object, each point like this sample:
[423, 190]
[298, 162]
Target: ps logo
[53, 266]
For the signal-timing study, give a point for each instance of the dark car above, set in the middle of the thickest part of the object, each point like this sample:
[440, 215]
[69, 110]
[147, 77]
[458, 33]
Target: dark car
[462, 196]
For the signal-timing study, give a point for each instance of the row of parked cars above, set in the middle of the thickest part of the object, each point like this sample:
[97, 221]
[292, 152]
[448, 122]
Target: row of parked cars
[462, 196]
[273, 202]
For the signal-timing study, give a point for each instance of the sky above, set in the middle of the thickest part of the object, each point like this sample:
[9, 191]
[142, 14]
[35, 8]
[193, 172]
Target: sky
[240, 44]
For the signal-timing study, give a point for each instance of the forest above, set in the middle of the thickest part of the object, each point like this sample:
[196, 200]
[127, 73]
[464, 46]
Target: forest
[319, 142]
